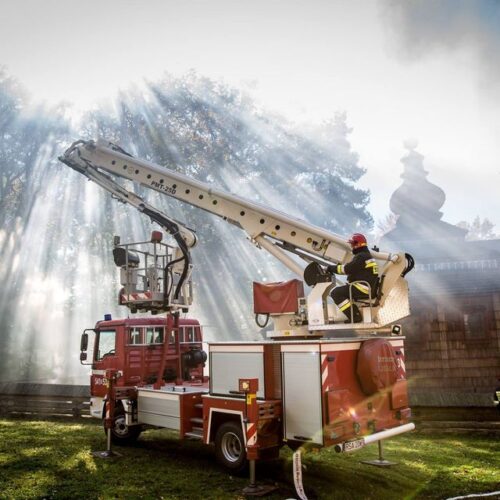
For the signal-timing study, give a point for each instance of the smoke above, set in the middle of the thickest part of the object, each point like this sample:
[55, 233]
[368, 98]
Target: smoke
[424, 28]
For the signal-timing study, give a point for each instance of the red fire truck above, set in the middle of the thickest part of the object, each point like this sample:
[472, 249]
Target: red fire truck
[320, 391]
[316, 379]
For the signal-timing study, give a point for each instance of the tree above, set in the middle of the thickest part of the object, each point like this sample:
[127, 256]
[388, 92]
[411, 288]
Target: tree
[28, 140]
[216, 134]
[478, 229]
[388, 223]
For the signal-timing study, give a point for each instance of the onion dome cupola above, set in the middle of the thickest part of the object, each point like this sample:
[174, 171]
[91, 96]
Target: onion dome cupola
[416, 197]
[417, 203]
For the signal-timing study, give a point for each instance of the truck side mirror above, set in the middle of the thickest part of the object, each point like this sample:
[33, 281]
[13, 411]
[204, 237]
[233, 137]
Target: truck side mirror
[83, 356]
[84, 342]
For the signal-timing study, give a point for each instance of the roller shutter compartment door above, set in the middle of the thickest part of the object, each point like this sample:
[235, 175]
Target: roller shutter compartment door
[302, 396]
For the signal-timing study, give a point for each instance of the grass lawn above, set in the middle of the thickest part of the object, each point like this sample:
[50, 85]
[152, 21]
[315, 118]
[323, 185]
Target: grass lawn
[52, 459]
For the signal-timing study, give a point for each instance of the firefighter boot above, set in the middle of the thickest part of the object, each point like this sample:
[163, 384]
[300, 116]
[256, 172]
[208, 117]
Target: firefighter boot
[354, 314]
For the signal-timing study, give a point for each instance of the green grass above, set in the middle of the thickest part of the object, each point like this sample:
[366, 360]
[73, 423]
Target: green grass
[52, 459]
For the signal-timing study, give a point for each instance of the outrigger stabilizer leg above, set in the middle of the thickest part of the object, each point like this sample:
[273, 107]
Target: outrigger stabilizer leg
[111, 376]
[249, 388]
[381, 461]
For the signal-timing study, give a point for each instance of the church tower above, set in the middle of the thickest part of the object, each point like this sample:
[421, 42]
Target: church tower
[417, 203]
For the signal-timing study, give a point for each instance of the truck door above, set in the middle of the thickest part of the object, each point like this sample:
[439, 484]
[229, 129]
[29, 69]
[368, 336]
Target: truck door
[105, 357]
[302, 393]
[134, 354]
[106, 346]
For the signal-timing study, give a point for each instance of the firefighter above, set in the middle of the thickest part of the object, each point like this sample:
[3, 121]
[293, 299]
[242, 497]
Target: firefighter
[362, 270]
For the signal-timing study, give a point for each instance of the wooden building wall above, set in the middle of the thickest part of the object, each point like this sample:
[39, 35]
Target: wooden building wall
[453, 349]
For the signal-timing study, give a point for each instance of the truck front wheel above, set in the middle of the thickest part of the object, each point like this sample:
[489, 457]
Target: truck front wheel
[121, 433]
[230, 447]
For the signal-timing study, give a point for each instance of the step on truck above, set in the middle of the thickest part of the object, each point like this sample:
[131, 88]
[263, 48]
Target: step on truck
[318, 378]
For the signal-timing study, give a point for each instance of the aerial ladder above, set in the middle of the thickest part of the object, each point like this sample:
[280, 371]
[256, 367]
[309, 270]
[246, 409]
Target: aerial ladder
[305, 249]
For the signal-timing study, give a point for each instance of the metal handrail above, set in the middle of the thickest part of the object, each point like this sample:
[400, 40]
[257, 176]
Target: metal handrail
[369, 297]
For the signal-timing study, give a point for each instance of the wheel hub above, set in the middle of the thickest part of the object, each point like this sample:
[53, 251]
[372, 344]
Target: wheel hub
[120, 428]
[231, 447]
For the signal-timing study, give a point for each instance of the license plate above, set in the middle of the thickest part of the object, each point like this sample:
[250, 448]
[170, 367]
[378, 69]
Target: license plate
[354, 445]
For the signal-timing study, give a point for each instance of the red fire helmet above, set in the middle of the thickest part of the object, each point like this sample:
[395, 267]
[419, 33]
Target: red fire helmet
[358, 239]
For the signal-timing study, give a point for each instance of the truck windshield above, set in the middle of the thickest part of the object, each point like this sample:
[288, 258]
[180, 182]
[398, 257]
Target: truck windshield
[106, 344]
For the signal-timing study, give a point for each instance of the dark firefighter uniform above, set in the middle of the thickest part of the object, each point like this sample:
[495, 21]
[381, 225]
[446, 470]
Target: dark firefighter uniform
[361, 270]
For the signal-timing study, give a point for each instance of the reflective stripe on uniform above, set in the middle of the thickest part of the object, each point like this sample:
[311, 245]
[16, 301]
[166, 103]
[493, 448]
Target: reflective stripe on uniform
[345, 305]
[340, 269]
[361, 287]
[371, 264]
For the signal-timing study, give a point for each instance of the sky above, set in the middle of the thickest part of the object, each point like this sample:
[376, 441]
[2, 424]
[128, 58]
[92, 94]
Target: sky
[416, 69]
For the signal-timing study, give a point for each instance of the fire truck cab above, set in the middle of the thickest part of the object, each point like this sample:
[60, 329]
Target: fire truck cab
[143, 351]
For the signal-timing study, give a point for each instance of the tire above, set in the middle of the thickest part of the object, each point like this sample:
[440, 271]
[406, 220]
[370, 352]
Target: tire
[230, 447]
[121, 433]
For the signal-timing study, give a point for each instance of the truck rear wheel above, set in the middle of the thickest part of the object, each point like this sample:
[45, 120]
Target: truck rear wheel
[230, 447]
[121, 433]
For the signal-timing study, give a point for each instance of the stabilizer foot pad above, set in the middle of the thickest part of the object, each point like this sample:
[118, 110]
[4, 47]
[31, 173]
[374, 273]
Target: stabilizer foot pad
[379, 463]
[106, 454]
[259, 490]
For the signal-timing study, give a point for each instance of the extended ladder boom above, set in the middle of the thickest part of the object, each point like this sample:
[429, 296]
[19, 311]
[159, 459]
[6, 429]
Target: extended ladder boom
[285, 237]
[120, 193]
[271, 229]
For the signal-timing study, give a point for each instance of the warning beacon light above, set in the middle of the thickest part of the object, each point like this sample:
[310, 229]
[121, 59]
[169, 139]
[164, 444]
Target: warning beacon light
[156, 236]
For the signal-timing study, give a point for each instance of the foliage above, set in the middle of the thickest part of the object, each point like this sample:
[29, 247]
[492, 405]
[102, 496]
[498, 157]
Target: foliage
[478, 229]
[28, 139]
[215, 134]
[52, 459]
[383, 226]
[24, 141]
